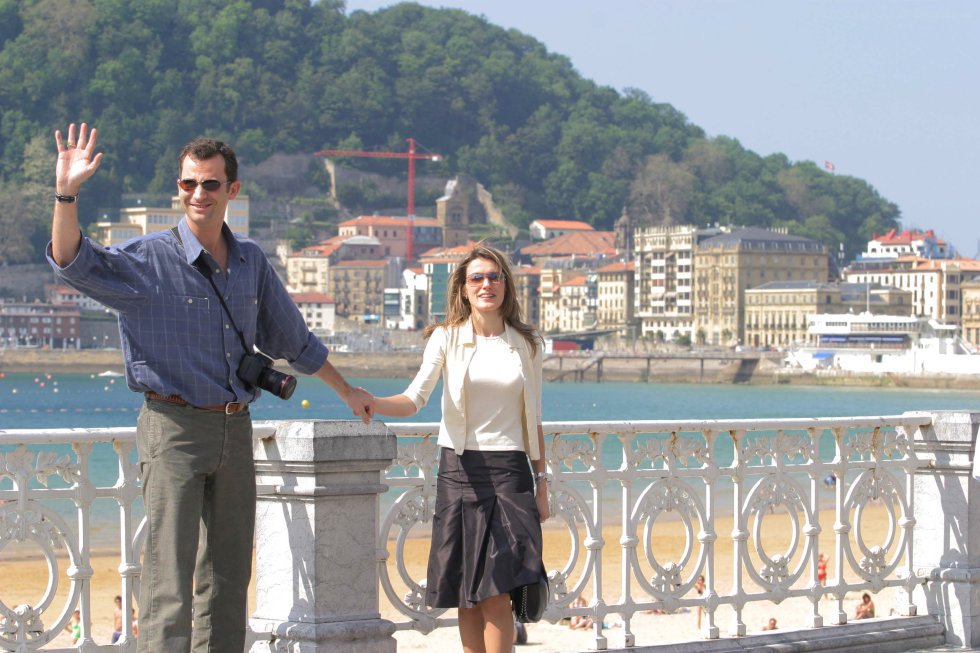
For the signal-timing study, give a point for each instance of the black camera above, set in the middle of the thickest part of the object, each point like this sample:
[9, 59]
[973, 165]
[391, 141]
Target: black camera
[256, 370]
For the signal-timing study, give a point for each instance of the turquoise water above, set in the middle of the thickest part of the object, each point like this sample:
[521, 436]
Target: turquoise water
[74, 400]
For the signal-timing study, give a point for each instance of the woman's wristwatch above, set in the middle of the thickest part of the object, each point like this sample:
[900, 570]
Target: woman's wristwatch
[540, 476]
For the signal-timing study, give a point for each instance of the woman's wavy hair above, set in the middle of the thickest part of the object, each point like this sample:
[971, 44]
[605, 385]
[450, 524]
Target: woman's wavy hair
[458, 307]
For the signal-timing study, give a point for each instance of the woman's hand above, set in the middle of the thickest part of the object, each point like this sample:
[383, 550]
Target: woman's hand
[541, 499]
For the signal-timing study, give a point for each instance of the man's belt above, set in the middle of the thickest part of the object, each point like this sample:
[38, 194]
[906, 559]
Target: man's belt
[228, 409]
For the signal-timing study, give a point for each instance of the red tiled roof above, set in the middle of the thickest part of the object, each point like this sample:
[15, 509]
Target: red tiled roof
[522, 270]
[564, 224]
[317, 250]
[362, 264]
[619, 266]
[311, 298]
[965, 264]
[451, 253]
[388, 221]
[579, 243]
[906, 237]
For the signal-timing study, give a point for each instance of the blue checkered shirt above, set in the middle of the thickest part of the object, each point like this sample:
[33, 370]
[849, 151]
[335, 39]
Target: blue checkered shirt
[176, 337]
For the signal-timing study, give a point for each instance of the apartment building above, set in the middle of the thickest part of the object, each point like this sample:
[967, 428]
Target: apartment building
[896, 244]
[664, 279]
[970, 315]
[935, 284]
[527, 285]
[318, 310]
[438, 264]
[308, 270]
[776, 312]
[25, 324]
[614, 295]
[406, 306]
[392, 233]
[567, 309]
[728, 264]
[358, 288]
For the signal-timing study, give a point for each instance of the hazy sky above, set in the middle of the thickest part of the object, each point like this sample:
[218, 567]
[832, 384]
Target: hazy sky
[886, 90]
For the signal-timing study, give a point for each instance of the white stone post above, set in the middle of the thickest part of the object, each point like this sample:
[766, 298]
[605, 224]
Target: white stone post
[946, 536]
[315, 533]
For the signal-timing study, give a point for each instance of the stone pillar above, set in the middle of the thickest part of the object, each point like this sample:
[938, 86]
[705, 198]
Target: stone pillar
[946, 536]
[316, 537]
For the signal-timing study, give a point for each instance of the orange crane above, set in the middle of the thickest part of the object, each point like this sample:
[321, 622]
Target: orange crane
[412, 155]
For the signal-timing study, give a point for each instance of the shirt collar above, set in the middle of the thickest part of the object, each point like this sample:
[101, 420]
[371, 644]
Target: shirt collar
[193, 247]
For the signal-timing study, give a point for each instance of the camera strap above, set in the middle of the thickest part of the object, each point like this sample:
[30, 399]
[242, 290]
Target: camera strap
[205, 270]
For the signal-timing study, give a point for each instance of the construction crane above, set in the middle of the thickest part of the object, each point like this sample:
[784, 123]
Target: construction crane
[412, 155]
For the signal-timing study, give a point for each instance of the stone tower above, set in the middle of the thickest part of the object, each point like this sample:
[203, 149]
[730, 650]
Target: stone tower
[457, 209]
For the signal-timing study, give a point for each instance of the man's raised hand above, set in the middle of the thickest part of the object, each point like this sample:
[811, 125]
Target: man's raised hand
[77, 160]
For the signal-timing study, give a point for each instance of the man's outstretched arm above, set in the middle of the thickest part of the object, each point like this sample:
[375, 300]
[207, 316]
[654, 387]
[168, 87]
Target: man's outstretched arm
[76, 163]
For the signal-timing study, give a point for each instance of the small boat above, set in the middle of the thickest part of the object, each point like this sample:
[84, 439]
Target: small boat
[109, 374]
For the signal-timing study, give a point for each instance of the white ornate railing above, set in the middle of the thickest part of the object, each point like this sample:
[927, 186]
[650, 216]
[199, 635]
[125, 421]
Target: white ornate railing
[319, 492]
[34, 477]
[686, 475]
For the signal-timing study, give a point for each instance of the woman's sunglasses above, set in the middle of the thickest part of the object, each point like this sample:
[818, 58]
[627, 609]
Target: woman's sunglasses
[209, 185]
[477, 278]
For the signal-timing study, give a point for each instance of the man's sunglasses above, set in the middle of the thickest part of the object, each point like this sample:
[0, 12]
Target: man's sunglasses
[477, 278]
[209, 185]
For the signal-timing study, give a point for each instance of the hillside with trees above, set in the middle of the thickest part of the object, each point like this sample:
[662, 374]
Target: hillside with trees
[291, 76]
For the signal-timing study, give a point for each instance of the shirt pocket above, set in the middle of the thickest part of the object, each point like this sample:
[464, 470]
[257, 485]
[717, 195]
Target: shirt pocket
[190, 317]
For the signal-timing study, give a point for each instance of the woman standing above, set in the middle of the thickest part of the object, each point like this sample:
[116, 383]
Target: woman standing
[486, 529]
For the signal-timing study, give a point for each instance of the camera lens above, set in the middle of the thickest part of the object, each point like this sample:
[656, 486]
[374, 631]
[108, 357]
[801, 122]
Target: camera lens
[279, 384]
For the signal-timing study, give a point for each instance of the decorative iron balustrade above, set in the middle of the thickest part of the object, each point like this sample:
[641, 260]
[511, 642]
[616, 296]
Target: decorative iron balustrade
[646, 476]
[685, 474]
[37, 473]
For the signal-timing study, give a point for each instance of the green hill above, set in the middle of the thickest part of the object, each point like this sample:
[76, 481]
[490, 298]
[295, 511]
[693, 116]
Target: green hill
[288, 76]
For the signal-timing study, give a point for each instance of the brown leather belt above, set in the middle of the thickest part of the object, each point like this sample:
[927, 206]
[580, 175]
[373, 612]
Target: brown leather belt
[228, 409]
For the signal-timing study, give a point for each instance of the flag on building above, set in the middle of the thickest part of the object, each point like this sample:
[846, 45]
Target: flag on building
[828, 165]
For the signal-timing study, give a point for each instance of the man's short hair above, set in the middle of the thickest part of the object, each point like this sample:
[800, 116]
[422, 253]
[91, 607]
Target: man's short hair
[201, 149]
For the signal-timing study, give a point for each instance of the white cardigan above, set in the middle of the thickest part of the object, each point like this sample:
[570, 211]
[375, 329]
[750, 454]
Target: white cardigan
[448, 353]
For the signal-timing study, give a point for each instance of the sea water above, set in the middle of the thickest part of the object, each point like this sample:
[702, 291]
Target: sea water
[47, 401]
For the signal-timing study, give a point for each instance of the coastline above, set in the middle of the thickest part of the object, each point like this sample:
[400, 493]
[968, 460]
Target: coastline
[404, 365]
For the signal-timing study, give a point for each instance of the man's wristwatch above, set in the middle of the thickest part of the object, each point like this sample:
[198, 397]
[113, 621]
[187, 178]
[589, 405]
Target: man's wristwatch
[540, 475]
[67, 199]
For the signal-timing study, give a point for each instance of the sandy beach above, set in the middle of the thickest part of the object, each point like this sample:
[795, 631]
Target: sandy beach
[25, 577]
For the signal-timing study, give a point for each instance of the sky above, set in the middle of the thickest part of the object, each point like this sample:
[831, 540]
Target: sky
[885, 90]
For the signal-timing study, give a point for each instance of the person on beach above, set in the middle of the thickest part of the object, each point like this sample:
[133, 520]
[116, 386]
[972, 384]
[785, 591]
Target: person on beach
[117, 620]
[822, 569]
[486, 528]
[74, 626]
[580, 622]
[866, 608]
[699, 588]
[193, 304]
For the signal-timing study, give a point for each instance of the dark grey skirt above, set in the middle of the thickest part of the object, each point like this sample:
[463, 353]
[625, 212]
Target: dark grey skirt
[486, 535]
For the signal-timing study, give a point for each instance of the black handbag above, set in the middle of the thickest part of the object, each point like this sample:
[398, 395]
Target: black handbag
[530, 601]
